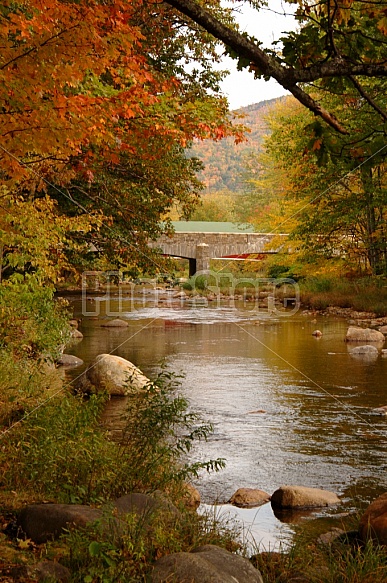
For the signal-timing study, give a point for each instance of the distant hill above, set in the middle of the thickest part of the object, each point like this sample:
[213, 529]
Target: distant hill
[224, 160]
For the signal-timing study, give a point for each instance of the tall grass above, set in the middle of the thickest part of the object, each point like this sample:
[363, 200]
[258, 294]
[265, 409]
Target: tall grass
[363, 295]
[345, 560]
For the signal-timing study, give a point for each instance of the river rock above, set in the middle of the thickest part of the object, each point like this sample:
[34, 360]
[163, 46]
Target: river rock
[190, 496]
[44, 522]
[51, 571]
[69, 360]
[355, 334]
[380, 410]
[43, 571]
[249, 497]
[76, 334]
[113, 374]
[373, 523]
[317, 333]
[206, 564]
[117, 323]
[302, 497]
[327, 538]
[146, 504]
[383, 330]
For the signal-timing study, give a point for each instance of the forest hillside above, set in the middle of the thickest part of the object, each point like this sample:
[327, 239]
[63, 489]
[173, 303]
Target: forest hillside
[224, 161]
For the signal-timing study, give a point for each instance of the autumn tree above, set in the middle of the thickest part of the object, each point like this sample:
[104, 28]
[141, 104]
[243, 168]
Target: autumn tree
[334, 187]
[98, 109]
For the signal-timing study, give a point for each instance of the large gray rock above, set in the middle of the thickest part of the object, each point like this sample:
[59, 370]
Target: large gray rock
[206, 564]
[373, 523]
[44, 522]
[249, 497]
[301, 497]
[51, 571]
[355, 334]
[113, 374]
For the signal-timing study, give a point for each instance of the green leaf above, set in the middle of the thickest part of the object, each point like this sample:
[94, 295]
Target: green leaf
[94, 549]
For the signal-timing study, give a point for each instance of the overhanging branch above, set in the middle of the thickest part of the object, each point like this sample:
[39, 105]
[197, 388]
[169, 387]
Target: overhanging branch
[267, 65]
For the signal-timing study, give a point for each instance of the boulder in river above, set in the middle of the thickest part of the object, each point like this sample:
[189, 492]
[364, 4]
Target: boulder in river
[113, 374]
[317, 333]
[205, 564]
[75, 333]
[302, 497]
[249, 497]
[116, 323]
[373, 523]
[356, 334]
[69, 360]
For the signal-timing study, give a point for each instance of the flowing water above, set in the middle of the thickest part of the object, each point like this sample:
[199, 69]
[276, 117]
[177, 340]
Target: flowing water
[287, 408]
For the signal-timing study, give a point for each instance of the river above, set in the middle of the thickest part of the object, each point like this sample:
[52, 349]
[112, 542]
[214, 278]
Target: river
[287, 407]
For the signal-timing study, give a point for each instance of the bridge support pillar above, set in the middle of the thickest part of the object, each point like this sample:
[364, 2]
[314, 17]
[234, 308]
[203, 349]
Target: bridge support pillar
[192, 266]
[202, 257]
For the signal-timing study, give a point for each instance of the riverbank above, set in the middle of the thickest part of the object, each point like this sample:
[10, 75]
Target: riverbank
[73, 464]
[59, 454]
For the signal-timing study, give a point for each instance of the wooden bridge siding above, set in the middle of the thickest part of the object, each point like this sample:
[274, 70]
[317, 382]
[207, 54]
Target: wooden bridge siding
[220, 244]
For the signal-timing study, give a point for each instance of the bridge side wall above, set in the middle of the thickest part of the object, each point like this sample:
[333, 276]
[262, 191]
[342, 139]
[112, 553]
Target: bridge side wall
[220, 244]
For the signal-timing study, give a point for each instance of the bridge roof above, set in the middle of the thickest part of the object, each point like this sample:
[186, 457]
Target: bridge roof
[211, 227]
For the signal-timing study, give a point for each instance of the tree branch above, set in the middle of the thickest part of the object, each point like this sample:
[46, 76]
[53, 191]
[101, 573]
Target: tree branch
[369, 99]
[268, 66]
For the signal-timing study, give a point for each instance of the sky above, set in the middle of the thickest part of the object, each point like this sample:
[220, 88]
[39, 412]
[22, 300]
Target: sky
[240, 86]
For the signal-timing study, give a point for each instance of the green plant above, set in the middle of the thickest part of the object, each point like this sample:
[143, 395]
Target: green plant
[159, 433]
[32, 323]
[61, 451]
[109, 551]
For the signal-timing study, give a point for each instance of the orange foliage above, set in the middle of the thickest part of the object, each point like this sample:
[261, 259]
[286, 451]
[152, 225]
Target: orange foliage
[77, 75]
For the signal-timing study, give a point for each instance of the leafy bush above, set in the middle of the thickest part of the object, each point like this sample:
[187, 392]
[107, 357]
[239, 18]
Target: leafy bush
[61, 451]
[32, 323]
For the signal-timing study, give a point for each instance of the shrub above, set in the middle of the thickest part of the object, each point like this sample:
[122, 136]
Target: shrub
[61, 451]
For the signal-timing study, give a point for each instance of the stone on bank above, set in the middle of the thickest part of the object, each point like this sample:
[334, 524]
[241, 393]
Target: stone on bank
[205, 564]
[302, 497]
[373, 523]
[113, 374]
